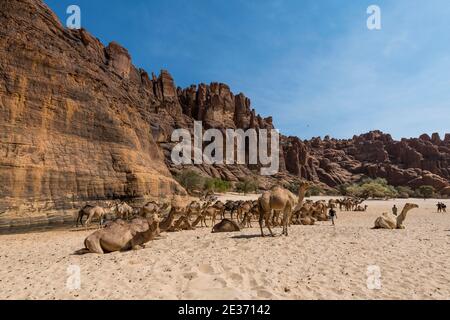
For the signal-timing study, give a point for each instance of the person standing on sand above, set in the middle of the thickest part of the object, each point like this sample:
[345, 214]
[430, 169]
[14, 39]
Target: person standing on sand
[333, 215]
[395, 210]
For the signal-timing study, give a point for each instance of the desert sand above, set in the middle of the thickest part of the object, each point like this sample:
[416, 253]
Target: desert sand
[314, 262]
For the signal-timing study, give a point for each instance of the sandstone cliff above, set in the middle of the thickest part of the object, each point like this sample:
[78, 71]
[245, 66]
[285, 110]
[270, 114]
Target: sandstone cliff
[75, 119]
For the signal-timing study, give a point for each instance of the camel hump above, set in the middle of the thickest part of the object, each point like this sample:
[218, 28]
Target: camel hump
[226, 225]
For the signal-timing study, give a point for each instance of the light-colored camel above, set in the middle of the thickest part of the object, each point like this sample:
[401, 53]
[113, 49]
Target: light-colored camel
[123, 211]
[389, 221]
[305, 214]
[92, 212]
[226, 225]
[122, 236]
[319, 211]
[281, 200]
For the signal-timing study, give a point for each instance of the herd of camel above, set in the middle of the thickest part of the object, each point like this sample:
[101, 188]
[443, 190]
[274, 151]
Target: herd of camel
[130, 228]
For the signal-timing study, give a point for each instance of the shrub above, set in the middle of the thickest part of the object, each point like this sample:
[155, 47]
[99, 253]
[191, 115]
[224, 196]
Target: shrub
[191, 180]
[217, 185]
[369, 188]
[314, 191]
[405, 192]
[426, 192]
[247, 186]
[343, 189]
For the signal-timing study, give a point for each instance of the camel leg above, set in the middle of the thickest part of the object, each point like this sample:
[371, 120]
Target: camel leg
[78, 220]
[268, 227]
[261, 220]
[203, 222]
[93, 245]
[88, 222]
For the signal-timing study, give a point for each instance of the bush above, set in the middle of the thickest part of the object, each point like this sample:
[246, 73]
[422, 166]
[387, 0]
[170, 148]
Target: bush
[425, 192]
[369, 188]
[292, 187]
[191, 180]
[314, 191]
[247, 186]
[405, 192]
[343, 189]
[217, 185]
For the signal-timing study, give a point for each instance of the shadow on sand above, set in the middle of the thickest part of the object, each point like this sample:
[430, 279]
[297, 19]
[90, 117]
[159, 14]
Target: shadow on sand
[254, 236]
[247, 236]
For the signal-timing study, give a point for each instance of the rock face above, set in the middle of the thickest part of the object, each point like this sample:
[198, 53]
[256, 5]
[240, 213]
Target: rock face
[79, 123]
[75, 121]
[409, 162]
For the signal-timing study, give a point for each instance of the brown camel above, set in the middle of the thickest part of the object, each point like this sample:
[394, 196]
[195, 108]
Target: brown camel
[226, 225]
[211, 211]
[167, 223]
[243, 208]
[123, 236]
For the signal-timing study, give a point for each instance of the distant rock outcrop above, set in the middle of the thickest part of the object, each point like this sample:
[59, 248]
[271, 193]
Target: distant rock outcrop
[409, 162]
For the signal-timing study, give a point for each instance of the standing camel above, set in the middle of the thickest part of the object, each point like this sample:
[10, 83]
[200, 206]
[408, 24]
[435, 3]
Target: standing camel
[277, 199]
[92, 212]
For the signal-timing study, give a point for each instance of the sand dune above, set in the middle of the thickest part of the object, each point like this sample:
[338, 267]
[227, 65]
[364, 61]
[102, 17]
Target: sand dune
[318, 262]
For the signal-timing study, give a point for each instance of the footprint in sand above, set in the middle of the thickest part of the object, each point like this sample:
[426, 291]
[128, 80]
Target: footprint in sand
[236, 277]
[190, 275]
[264, 294]
[206, 268]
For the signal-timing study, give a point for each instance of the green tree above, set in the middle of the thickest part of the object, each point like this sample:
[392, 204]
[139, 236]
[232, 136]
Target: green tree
[369, 188]
[426, 191]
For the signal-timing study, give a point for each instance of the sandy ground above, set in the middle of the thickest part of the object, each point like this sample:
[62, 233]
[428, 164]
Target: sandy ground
[315, 262]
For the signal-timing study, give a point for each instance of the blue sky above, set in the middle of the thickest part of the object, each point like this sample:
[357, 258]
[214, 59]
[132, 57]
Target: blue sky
[311, 64]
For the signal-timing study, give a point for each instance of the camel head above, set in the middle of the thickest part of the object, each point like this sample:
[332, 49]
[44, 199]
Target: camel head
[305, 184]
[410, 206]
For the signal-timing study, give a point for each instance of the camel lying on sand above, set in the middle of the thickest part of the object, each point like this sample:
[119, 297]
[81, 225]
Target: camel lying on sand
[151, 208]
[389, 221]
[122, 236]
[226, 225]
